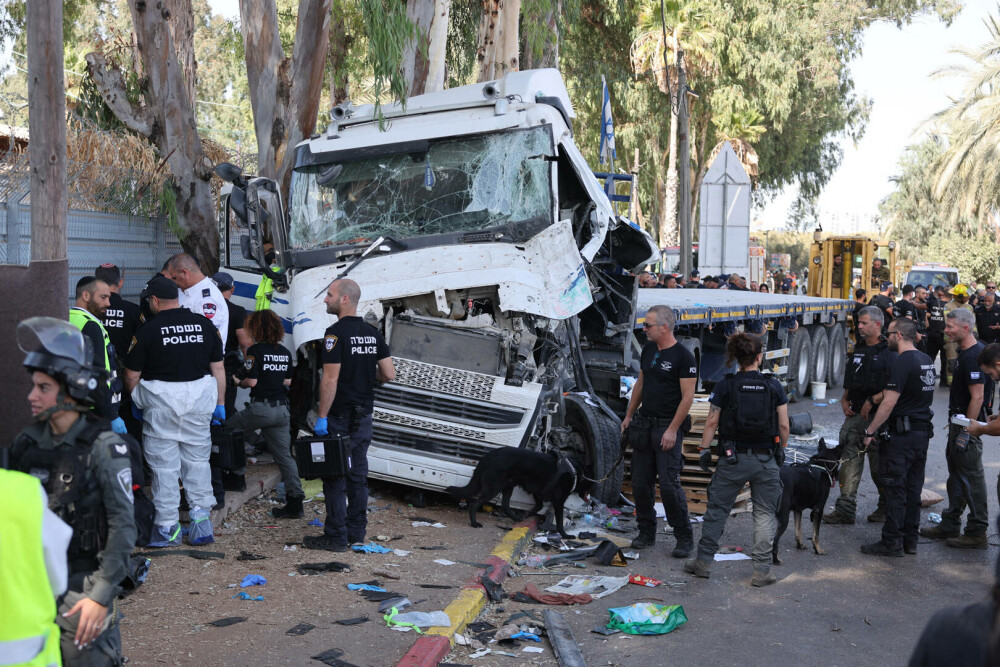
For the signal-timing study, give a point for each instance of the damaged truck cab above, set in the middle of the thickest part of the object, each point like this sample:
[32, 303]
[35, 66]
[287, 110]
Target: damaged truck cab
[488, 256]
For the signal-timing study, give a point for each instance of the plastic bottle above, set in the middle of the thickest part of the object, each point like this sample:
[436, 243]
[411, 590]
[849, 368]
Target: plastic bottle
[611, 522]
[589, 520]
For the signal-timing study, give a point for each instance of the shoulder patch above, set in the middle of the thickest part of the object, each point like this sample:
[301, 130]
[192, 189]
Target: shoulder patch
[974, 375]
[206, 292]
[124, 477]
[330, 342]
[118, 449]
[248, 364]
[208, 309]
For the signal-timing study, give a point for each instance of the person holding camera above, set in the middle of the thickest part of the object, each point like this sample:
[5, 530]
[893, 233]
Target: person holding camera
[750, 412]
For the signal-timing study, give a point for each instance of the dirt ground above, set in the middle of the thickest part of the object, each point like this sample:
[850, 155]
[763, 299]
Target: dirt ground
[167, 619]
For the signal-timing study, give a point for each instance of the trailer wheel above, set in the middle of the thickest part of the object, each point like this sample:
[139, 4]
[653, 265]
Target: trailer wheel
[601, 440]
[838, 356]
[799, 370]
[820, 359]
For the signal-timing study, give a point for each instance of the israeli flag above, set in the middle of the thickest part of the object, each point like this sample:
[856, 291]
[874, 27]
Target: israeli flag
[607, 151]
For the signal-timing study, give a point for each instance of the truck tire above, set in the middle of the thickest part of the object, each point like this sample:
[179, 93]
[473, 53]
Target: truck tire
[820, 359]
[600, 437]
[799, 370]
[838, 356]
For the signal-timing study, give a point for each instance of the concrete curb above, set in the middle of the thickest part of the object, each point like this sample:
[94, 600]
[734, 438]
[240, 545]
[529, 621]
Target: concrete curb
[432, 647]
[260, 480]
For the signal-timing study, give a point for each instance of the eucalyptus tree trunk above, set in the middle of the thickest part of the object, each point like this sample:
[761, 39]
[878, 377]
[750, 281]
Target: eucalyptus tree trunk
[499, 41]
[423, 59]
[167, 119]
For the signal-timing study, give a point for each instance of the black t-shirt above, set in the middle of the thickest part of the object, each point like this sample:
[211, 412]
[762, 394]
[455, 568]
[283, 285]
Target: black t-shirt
[883, 302]
[720, 398]
[986, 319]
[936, 313]
[102, 394]
[967, 374]
[662, 371]
[175, 346]
[867, 372]
[956, 636]
[357, 346]
[270, 364]
[237, 316]
[912, 375]
[120, 320]
[904, 308]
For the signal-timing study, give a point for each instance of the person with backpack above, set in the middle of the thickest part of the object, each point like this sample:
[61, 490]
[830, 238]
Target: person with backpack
[750, 412]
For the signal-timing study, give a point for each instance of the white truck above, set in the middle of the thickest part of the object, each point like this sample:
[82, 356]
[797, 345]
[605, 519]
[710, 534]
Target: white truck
[491, 260]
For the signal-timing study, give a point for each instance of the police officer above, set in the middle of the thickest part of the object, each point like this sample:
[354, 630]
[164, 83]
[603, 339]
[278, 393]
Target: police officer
[92, 299]
[959, 301]
[122, 317]
[864, 387]
[883, 301]
[268, 374]
[964, 452]
[750, 411]
[905, 307]
[988, 319]
[935, 330]
[84, 467]
[198, 293]
[174, 371]
[905, 412]
[355, 356]
[989, 364]
[237, 343]
[665, 392]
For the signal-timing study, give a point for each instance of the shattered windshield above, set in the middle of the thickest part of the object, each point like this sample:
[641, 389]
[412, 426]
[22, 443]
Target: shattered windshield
[456, 185]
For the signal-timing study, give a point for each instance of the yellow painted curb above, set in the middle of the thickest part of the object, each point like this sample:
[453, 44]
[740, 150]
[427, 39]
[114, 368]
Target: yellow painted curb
[466, 607]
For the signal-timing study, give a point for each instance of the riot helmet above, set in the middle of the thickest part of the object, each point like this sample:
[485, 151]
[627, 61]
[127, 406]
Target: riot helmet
[57, 348]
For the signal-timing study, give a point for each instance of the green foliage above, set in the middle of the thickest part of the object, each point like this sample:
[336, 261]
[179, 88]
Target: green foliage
[388, 30]
[975, 258]
[796, 244]
[460, 50]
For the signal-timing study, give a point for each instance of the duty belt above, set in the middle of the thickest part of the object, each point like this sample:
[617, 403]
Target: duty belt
[651, 422]
[274, 403]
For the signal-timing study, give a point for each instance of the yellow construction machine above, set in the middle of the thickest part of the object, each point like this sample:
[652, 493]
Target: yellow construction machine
[863, 262]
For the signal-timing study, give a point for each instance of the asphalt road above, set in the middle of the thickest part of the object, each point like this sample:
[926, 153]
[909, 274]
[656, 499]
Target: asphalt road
[844, 608]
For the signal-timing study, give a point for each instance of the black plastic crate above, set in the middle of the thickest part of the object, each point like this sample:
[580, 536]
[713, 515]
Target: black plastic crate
[319, 457]
[227, 448]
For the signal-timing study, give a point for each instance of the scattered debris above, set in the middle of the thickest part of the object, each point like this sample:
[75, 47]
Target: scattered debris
[647, 618]
[444, 561]
[246, 555]
[253, 580]
[227, 621]
[435, 524]
[243, 595]
[300, 629]
[371, 548]
[320, 568]
[352, 621]
[596, 587]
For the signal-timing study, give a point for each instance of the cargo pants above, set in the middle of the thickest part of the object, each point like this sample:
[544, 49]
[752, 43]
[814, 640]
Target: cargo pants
[347, 497]
[852, 435]
[649, 464]
[763, 473]
[273, 422]
[901, 467]
[966, 485]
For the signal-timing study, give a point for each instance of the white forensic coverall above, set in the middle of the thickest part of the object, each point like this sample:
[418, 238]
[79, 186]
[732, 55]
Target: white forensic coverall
[177, 440]
[204, 298]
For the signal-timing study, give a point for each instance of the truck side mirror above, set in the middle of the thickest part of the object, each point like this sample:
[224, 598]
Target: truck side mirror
[238, 202]
[245, 249]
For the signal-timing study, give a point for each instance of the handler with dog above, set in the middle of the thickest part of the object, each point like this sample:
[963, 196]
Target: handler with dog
[906, 414]
[750, 411]
[665, 390]
[864, 383]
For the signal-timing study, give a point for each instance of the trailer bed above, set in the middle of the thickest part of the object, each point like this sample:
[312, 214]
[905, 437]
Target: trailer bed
[708, 306]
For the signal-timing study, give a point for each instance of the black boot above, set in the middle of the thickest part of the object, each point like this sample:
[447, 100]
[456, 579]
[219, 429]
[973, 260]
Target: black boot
[232, 481]
[292, 510]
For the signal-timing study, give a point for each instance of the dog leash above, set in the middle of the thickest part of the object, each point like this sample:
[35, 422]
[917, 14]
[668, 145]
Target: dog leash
[618, 462]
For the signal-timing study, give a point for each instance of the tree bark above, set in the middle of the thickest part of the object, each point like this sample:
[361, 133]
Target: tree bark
[262, 44]
[181, 24]
[47, 126]
[509, 57]
[339, 43]
[490, 38]
[423, 61]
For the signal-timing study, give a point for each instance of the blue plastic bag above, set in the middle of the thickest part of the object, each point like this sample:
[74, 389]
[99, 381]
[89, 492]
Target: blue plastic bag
[365, 587]
[372, 548]
[253, 580]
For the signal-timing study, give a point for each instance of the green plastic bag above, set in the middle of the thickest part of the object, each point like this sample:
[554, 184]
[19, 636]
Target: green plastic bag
[646, 618]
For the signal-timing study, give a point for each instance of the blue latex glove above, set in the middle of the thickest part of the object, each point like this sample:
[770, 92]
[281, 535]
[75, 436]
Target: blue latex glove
[321, 427]
[118, 425]
[219, 415]
[136, 412]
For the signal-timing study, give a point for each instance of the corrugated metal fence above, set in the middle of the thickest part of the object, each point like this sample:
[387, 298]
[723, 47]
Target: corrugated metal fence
[138, 245]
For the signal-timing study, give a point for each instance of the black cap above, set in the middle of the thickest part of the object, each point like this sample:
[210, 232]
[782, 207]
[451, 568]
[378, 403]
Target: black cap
[694, 273]
[223, 280]
[161, 287]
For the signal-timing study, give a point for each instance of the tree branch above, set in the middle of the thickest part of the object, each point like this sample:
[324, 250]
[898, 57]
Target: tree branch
[111, 84]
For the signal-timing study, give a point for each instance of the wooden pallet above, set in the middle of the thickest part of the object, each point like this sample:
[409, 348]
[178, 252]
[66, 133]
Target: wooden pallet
[694, 480]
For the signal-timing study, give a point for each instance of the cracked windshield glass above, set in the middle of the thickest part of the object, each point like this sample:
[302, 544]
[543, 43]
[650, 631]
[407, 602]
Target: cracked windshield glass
[458, 185]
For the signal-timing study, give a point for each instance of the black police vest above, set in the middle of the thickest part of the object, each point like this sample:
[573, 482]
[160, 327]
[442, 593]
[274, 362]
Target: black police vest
[751, 410]
[70, 481]
[861, 375]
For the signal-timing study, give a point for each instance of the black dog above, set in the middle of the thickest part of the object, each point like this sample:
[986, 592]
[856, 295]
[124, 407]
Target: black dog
[807, 486]
[545, 476]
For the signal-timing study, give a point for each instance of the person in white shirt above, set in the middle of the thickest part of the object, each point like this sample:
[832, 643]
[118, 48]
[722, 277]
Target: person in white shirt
[198, 293]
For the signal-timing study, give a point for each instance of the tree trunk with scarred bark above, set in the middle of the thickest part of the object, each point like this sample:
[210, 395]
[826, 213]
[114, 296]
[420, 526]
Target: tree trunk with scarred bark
[423, 62]
[499, 42]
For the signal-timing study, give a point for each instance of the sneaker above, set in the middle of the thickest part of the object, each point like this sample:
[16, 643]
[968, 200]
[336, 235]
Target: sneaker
[880, 549]
[878, 516]
[323, 542]
[165, 536]
[643, 541]
[910, 546]
[685, 546]
[699, 568]
[761, 579]
[834, 516]
[967, 541]
[936, 533]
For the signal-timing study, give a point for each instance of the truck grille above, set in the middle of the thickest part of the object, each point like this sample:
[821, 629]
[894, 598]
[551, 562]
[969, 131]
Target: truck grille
[446, 380]
[437, 406]
[411, 422]
[440, 446]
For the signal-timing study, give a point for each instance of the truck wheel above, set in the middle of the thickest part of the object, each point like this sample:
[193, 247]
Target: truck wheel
[799, 370]
[600, 438]
[838, 356]
[820, 360]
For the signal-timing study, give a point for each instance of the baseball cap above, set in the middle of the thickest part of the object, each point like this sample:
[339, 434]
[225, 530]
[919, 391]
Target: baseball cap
[223, 280]
[886, 285]
[161, 287]
[694, 273]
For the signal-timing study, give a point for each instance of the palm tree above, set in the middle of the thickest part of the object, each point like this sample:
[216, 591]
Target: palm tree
[967, 173]
[666, 27]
